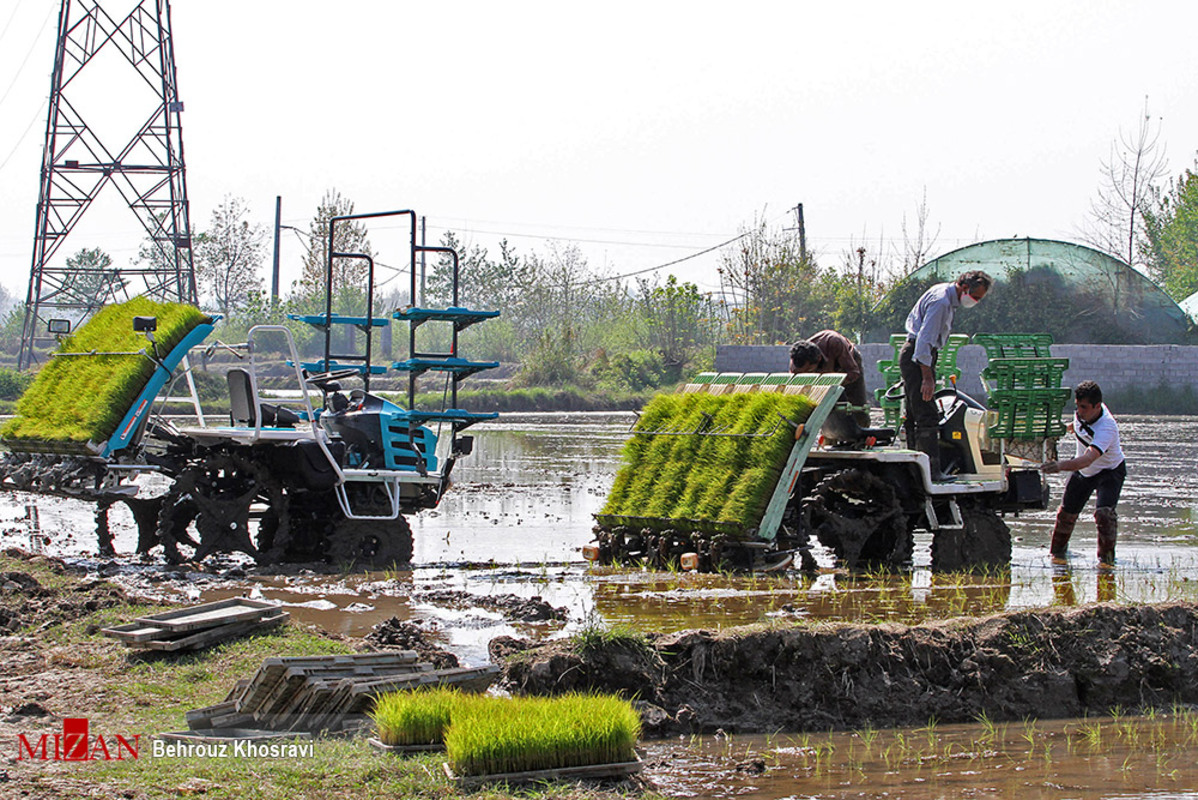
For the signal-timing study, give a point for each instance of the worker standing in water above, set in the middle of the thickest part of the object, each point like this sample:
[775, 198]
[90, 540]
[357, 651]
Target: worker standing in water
[1098, 467]
[928, 327]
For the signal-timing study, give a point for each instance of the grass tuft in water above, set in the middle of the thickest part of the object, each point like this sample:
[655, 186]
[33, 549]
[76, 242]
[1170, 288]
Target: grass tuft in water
[598, 638]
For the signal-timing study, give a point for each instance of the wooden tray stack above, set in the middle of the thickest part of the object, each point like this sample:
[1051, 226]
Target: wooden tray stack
[199, 626]
[327, 693]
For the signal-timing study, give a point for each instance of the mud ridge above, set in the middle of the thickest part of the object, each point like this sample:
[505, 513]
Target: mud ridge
[1041, 664]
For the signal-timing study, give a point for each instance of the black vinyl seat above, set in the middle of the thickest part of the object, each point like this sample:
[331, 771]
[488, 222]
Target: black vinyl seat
[244, 411]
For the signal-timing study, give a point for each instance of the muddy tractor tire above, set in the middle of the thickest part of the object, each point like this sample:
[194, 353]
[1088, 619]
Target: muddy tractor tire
[370, 544]
[858, 516]
[217, 495]
[982, 543]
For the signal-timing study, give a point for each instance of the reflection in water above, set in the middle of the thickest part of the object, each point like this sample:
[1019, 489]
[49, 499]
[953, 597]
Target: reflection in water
[1125, 757]
[524, 500]
[668, 602]
[1063, 591]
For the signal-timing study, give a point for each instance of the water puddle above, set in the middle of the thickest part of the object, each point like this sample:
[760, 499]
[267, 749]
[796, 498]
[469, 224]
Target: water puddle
[1124, 757]
[521, 510]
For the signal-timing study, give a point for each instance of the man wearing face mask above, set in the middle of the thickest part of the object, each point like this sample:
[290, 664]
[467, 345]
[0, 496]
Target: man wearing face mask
[928, 327]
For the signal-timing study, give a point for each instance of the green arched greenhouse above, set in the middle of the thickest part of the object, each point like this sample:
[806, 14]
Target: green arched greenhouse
[1074, 292]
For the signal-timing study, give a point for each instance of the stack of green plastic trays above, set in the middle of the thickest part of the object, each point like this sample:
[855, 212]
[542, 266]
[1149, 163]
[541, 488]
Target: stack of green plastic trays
[1023, 380]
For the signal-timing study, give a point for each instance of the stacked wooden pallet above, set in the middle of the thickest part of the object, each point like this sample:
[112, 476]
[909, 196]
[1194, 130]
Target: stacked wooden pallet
[199, 626]
[327, 693]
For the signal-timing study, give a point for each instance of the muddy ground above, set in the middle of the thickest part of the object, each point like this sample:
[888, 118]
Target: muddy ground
[810, 677]
[1041, 664]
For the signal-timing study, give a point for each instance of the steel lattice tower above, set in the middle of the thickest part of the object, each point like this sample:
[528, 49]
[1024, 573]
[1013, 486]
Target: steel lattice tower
[147, 168]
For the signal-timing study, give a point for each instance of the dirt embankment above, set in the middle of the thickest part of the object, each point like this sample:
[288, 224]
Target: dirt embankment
[1041, 664]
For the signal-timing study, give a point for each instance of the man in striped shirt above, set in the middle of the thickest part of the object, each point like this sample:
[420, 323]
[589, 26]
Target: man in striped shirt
[928, 326]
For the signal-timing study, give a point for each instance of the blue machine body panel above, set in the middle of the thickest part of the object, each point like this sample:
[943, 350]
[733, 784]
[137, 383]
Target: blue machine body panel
[127, 431]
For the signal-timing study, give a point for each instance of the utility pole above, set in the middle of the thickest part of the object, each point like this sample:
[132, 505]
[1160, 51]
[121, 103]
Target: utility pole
[147, 168]
[798, 209]
[274, 274]
[423, 233]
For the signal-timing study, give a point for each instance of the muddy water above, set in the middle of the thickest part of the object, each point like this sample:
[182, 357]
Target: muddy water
[1126, 757]
[521, 511]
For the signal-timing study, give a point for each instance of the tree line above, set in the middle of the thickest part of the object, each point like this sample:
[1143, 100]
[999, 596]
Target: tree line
[565, 322]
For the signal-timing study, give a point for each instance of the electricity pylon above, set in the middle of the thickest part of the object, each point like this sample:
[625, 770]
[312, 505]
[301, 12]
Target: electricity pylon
[135, 85]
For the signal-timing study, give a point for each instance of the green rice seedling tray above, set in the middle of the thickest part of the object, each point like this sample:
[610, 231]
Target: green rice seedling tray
[405, 749]
[587, 772]
[519, 739]
[717, 462]
[735, 530]
[96, 390]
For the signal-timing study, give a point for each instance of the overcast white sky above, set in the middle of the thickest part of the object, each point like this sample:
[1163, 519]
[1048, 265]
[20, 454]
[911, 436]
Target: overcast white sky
[643, 131]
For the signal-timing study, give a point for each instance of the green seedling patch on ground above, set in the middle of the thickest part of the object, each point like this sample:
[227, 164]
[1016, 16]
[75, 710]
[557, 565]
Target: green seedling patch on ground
[414, 718]
[81, 399]
[486, 735]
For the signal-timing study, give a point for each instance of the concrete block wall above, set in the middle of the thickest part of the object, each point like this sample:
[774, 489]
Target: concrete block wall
[1115, 367]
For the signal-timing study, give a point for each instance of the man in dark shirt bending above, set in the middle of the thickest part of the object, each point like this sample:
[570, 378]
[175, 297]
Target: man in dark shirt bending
[828, 351]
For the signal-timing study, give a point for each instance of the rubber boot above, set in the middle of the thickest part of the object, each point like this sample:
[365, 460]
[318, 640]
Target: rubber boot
[1061, 532]
[928, 442]
[1108, 530]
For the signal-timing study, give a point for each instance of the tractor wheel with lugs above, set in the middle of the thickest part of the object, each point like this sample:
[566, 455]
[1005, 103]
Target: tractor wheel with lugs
[858, 516]
[217, 493]
[369, 543]
[983, 542]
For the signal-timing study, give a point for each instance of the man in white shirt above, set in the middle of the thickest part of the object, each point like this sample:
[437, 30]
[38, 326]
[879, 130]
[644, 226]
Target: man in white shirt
[1097, 467]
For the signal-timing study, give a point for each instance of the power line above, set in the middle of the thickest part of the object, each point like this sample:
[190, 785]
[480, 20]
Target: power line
[8, 22]
[668, 263]
[21, 139]
[32, 46]
[583, 227]
[507, 235]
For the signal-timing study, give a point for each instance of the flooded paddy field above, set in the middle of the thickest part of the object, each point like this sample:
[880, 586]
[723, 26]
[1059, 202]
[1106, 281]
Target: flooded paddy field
[512, 528]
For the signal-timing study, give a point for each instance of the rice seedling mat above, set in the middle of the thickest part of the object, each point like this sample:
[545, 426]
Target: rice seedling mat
[585, 772]
[402, 749]
[709, 461]
[80, 397]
